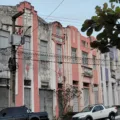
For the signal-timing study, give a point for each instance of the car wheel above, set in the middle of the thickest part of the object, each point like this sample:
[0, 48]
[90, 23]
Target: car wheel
[112, 117]
[88, 118]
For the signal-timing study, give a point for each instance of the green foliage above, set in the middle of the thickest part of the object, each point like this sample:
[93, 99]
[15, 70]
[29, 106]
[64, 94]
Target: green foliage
[89, 32]
[117, 1]
[104, 22]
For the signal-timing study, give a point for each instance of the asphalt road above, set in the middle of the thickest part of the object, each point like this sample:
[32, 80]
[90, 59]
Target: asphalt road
[117, 118]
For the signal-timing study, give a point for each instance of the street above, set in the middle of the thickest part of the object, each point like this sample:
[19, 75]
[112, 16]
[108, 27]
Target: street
[118, 117]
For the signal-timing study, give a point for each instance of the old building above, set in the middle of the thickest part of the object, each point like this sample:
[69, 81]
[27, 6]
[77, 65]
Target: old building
[35, 78]
[58, 40]
[77, 66]
[52, 58]
[83, 70]
[110, 77]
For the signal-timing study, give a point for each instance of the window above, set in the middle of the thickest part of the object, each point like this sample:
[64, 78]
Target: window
[59, 53]
[101, 108]
[44, 84]
[44, 65]
[111, 64]
[88, 72]
[27, 44]
[84, 44]
[105, 56]
[87, 109]
[4, 42]
[60, 85]
[27, 18]
[74, 55]
[106, 74]
[84, 58]
[75, 82]
[4, 81]
[27, 82]
[94, 62]
[43, 50]
[96, 109]
[27, 47]
[58, 31]
[58, 34]
[96, 96]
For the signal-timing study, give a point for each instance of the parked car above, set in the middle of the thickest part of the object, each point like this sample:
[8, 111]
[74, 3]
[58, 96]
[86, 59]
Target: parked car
[93, 112]
[22, 113]
[118, 108]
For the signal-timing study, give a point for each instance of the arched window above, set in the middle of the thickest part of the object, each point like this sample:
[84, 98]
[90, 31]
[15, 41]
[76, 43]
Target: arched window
[58, 31]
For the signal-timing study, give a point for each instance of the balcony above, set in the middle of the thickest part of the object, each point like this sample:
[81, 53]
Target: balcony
[43, 57]
[58, 38]
[113, 74]
[87, 72]
[59, 59]
[112, 66]
[60, 80]
[60, 74]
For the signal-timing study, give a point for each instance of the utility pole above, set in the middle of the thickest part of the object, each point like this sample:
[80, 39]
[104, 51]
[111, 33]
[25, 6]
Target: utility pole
[12, 62]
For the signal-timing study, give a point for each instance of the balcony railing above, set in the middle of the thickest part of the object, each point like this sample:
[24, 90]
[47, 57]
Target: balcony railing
[87, 72]
[113, 74]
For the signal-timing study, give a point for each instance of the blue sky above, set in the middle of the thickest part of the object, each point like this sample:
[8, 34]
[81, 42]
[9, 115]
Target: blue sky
[71, 12]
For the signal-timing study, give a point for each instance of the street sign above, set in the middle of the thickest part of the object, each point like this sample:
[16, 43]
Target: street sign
[16, 40]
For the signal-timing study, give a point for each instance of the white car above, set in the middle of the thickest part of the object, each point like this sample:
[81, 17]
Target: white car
[95, 112]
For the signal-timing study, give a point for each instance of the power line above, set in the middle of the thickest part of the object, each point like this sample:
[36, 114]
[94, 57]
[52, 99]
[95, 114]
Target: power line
[28, 52]
[55, 61]
[75, 19]
[66, 59]
[51, 13]
[55, 9]
[63, 19]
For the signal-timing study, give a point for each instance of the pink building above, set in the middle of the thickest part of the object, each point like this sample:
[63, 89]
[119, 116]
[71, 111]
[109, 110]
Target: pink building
[78, 66]
[53, 56]
[35, 76]
[33, 88]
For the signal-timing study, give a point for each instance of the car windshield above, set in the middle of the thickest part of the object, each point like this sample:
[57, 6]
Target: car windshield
[87, 109]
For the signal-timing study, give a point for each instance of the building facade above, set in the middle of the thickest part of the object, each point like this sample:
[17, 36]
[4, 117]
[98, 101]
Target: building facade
[77, 66]
[84, 70]
[110, 77]
[52, 58]
[35, 76]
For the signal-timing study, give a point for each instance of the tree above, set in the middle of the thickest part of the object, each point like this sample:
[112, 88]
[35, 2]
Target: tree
[65, 95]
[106, 23]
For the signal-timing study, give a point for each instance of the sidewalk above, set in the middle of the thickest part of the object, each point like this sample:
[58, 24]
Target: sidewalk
[117, 117]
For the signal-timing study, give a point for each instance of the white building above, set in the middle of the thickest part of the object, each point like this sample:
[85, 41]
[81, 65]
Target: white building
[109, 78]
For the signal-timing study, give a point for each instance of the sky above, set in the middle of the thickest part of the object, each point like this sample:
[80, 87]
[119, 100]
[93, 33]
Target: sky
[70, 12]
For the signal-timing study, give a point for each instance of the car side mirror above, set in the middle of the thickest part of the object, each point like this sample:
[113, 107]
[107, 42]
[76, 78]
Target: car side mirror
[29, 111]
[4, 114]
